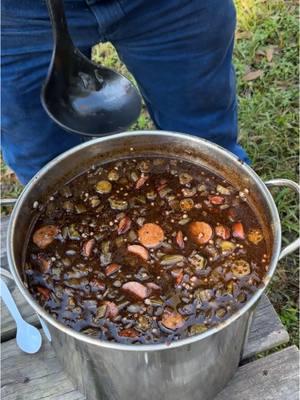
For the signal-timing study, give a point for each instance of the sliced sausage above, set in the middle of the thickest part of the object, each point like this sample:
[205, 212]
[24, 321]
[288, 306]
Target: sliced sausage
[238, 230]
[112, 269]
[45, 235]
[172, 320]
[216, 200]
[44, 263]
[45, 292]
[129, 332]
[223, 232]
[153, 287]
[201, 232]
[96, 284]
[179, 239]
[151, 235]
[136, 290]
[141, 181]
[112, 309]
[124, 225]
[139, 251]
[88, 247]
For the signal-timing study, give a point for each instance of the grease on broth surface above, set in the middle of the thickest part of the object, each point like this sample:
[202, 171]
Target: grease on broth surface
[145, 250]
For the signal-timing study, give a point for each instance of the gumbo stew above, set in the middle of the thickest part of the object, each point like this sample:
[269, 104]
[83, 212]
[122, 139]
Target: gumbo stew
[145, 250]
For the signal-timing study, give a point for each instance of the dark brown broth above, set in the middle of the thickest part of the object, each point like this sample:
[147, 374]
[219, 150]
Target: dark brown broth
[196, 297]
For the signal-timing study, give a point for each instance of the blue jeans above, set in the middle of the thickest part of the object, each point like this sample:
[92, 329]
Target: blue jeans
[179, 51]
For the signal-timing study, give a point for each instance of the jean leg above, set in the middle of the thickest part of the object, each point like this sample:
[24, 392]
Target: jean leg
[29, 138]
[180, 53]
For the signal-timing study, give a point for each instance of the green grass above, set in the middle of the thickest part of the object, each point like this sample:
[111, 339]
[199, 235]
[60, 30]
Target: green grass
[268, 117]
[269, 125]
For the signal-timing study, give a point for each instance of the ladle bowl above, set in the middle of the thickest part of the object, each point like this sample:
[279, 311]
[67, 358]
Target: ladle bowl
[80, 95]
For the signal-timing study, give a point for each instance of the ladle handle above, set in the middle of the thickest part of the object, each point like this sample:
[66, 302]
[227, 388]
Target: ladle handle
[8, 202]
[61, 36]
[10, 302]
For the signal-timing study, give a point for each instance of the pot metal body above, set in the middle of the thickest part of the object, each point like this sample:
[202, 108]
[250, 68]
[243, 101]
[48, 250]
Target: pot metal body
[193, 368]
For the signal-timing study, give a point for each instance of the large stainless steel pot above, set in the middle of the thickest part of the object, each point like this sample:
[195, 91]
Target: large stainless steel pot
[194, 368]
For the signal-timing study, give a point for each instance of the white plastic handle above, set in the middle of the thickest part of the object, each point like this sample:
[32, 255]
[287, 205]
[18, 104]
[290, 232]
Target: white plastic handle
[10, 302]
[8, 275]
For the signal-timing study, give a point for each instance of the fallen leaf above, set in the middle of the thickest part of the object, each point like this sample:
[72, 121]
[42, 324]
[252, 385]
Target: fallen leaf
[282, 84]
[260, 53]
[252, 75]
[269, 53]
[243, 35]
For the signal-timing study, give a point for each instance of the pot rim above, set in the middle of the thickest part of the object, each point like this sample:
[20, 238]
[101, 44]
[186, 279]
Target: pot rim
[155, 346]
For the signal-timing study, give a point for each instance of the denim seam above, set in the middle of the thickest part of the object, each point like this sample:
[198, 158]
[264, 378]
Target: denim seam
[99, 22]
[119, 2]
[119, 12]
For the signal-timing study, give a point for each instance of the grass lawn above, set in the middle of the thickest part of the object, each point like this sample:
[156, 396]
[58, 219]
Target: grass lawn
[266, 60]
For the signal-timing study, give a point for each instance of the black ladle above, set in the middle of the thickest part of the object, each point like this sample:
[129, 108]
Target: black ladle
[80, 95]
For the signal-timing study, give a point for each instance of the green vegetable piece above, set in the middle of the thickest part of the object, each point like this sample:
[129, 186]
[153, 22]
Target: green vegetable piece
[151, 195]
[132, 236]
[189, 192]
[223, 190]
[105, 247]
[203, 294]
[197, 261]
[221, 312]
[155, 302]
[103, 187]
[184, 221]
[240, 268]
[120, 205]
[227, 247]
[65, 232]
[55, 272]
[185, 178]
[113, 175]
[73, 233]
[101, 311]
[145, 166]
[201, 188]
[186, 204]
[68, 206]
[119, 241]
[241, 297]
[171, 259]
[80, 208]
[138, 200]
[197, 329]
[174, 301]
[175, 205]
[95, 201]
[164, 191]
[255, 236]
[144, 323]
[90, 332]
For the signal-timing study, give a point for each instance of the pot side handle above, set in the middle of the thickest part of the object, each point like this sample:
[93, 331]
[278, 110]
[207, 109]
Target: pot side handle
[294, 186]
